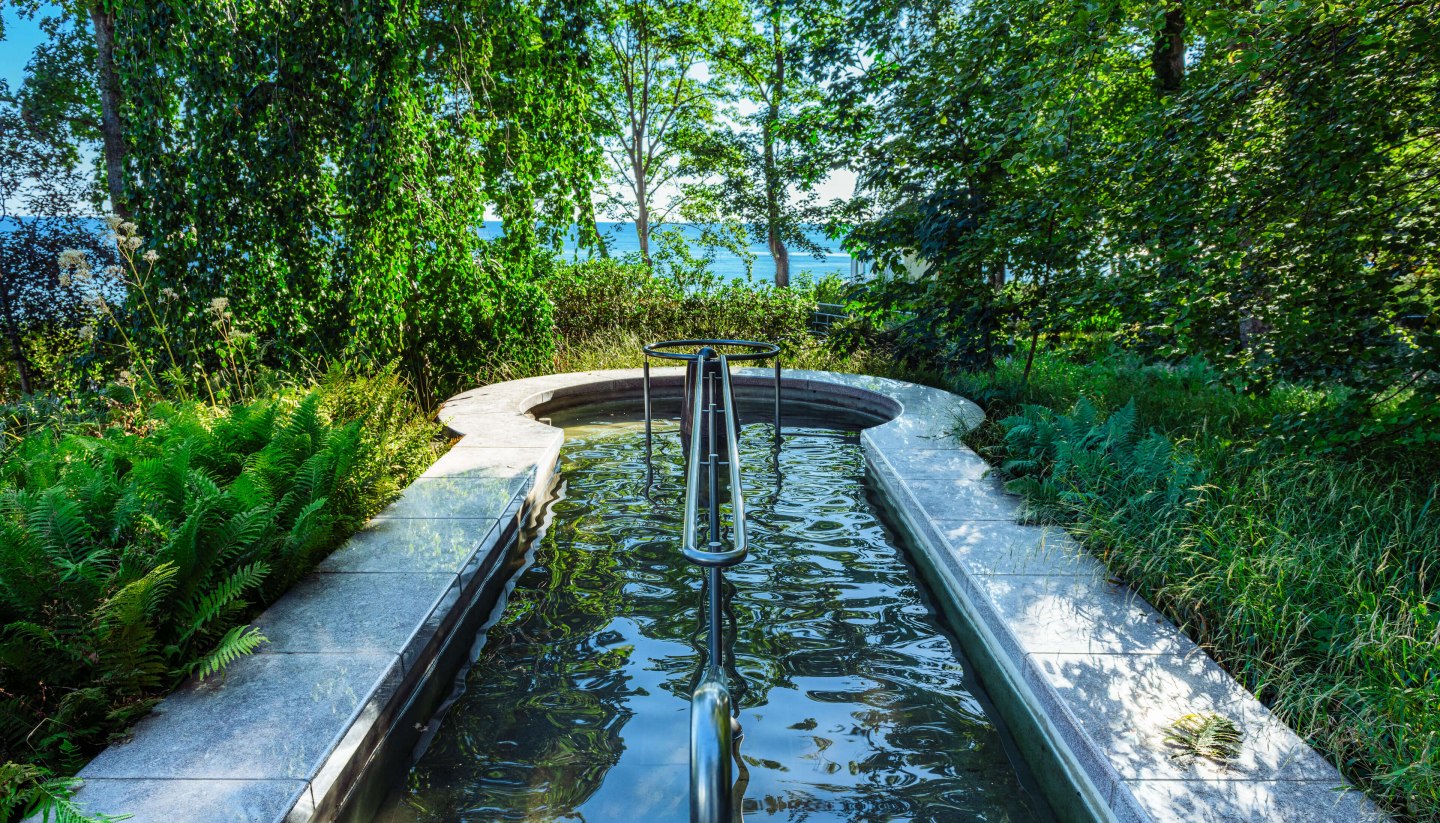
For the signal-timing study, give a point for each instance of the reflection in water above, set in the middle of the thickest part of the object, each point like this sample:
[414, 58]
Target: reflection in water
[854, 705]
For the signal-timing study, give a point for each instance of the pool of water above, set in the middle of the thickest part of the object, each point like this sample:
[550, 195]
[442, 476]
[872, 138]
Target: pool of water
[854, 703]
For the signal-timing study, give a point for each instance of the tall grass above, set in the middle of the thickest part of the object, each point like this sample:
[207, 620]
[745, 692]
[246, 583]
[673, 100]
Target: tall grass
[1313, 580]
[621, 349]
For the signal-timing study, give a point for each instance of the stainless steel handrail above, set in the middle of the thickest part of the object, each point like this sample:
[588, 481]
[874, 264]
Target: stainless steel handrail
[757, 351]
[712, 554]
[712, 726]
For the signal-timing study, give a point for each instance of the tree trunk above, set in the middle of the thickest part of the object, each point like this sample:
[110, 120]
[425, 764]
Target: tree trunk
[781, 254]
[22, 363]
[642, 229]
[1168, 58]
[642, 195]
[774, 186]
[997, 276]
[110, 128]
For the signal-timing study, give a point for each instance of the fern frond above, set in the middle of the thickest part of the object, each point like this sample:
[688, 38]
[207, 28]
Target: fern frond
[236, 643]
[137, 600]
[59, 523]
[224, 598]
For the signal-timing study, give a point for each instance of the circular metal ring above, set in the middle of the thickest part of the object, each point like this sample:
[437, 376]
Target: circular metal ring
[758, 351]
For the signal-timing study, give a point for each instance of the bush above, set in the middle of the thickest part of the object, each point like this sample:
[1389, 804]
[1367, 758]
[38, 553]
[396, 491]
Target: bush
[132, 552]
[600, 297]
[1309, 578]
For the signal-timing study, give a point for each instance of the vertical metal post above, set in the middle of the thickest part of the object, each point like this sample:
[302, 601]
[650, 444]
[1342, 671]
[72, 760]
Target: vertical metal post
[777, 401]
[714, 465]
[646, 391]
[716, 582]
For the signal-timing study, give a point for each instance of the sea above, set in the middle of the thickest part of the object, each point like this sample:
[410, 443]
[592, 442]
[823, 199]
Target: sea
[621, 240]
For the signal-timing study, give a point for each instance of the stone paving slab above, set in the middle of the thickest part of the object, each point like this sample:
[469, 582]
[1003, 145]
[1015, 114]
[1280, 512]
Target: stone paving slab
[979, 498]
[412, 546]
[1271, 801]
[957, 464]
[473, 497]
[489, 461]
[198, 801]
[1124, 702]
[267, 717]
[990, 547]
[1066, 614]
[353, 613]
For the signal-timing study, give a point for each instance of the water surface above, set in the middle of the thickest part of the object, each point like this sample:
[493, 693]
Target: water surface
[854, 704]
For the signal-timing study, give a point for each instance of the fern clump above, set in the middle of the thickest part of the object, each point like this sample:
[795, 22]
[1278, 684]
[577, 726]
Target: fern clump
[131, 556]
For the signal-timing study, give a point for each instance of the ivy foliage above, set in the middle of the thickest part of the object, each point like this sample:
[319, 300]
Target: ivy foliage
[326, 168]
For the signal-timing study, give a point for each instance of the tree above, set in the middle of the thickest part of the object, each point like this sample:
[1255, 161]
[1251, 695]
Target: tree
[1254, 184]
[653, 98]
[73, 82]
[41, 196]
[762, 170]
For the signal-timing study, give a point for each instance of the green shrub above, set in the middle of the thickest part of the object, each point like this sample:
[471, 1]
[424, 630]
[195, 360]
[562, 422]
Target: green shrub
[1179, 400]
[133, 552]
[601, 297]
[1310, 579]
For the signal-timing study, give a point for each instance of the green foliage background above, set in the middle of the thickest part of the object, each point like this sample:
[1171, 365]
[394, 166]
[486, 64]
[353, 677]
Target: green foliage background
[1252, 183]
[326, 168]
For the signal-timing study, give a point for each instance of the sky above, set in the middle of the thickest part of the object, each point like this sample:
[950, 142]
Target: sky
[21, 37]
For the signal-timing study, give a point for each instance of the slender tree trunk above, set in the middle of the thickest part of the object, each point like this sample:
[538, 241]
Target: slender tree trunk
[781, 253]
[642, 225]
[1168, 59]
[774, 186]
[110, 127]
[17, 355]
[642, 194]
[997, 276]
[772, 204]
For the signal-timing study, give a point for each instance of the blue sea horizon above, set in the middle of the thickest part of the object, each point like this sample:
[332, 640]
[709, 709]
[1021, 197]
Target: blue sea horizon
[621, 240]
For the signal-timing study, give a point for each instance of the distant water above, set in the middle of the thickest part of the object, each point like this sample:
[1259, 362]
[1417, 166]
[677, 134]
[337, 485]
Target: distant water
[621, 240]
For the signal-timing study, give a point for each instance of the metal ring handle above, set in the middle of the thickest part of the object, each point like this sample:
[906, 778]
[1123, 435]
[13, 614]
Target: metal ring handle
[758, 350]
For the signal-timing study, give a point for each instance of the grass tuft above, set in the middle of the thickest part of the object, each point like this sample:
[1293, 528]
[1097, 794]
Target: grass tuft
[1210, 736]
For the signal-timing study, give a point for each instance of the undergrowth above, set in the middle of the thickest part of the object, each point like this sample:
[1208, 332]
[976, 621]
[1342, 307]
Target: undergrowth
[1311, 578]
[134, 549]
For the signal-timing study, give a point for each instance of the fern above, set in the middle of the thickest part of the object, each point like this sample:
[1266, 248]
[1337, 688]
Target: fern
[124, 556]
[138, 600]
[236, 643]
[27, 790]
[224, 599]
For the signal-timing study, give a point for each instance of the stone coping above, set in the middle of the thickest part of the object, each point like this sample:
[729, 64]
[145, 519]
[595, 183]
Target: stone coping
[1086, 672]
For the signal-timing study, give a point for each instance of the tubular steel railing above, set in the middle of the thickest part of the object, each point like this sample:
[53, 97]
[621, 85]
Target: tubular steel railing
[666, 350]
[711, 734]
[712, 442]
